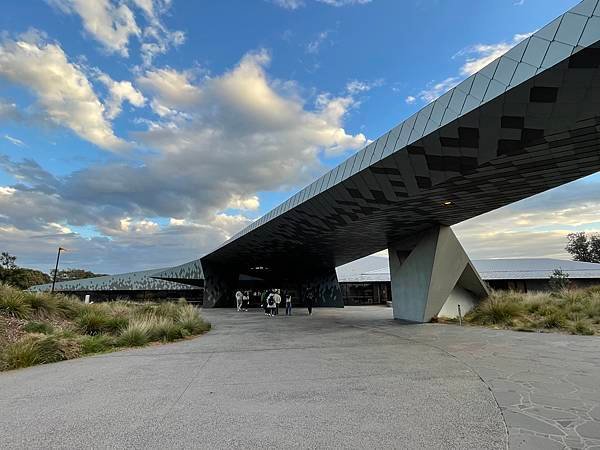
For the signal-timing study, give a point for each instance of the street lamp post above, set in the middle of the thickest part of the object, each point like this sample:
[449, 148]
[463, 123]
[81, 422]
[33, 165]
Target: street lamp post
[56, 267]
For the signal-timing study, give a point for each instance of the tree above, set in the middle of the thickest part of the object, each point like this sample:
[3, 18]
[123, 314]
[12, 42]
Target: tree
[559, 280]
[23, 278]
[583, 247]
[74, 274]
[7, 261]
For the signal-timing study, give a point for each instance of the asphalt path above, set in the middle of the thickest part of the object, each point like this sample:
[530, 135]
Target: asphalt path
[342, 378]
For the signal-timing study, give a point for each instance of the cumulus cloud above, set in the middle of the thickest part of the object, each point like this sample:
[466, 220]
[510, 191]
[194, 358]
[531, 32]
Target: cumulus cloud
[226, 138]
[63, 91]
[537, 226]
[113, 23]
[119, 92]
[170, 90]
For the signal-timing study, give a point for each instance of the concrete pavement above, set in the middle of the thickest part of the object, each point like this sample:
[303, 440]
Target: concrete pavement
[343, 378]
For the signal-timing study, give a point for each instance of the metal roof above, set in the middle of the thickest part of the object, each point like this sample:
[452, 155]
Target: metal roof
[489, 269]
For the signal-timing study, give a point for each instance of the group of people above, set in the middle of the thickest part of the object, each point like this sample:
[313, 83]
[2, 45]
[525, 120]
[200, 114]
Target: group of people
[270, 301]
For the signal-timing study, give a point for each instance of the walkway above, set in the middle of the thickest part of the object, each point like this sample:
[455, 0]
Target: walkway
[350, 378]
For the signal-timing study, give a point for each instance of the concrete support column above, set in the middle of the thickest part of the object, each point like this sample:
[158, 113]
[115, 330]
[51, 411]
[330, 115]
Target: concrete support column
[326, 289]
[429, 270]
[219, 286]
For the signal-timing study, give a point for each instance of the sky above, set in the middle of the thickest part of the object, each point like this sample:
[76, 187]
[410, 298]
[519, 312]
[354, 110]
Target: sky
[143, 133]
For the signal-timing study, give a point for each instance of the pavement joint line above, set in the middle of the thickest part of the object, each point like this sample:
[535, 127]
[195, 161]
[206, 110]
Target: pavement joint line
[472, 369]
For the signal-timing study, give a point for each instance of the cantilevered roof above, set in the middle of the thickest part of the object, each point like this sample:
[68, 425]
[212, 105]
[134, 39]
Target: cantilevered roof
[489, 269]
[525, 123]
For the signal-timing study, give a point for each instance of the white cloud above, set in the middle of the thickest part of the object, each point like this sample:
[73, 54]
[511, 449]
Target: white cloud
[228, 137]
[345, 2]
[295, 4]
[15, 141]
[410, 100]
[63, 91]
[314, 46]
[289, 4]
[480, 55]
[9, 111]
[356, 86]
[119, 92]
[476, 58]
[250, 203]
[109, 23]
[113, 23]
[171, 90]
[434, 90]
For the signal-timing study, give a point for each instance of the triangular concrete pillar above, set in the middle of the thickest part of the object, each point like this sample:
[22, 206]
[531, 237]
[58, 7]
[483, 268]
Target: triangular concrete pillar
[425, 270]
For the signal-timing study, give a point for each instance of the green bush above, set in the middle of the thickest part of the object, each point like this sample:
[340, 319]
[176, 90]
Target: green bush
[38, 327]
[136, 334]
[96, 344]
[93, 321]
[12, 303]
[556, 319]
[38, 349]
[42, 304]
[190, 320]
[164, 329]
[496, 311]
[582, 327]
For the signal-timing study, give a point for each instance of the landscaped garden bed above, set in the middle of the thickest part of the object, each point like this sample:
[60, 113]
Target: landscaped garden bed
[576, 311]
[40, 328]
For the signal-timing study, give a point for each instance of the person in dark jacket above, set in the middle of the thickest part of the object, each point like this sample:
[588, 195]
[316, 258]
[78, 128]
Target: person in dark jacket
[310, 299]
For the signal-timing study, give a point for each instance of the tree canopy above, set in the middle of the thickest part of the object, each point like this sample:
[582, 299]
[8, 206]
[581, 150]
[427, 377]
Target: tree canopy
[584, 247]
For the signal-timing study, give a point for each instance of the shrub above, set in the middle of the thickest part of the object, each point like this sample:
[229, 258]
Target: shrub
[191, 321]
[496, 311]
[42, 304]
[556, 319]
[69, 307]
[582, 327]
[38, 349]
[12, 303]
[93, 321]
[38, 327]
[168, 309]
[559, 280]
[136, 334]
[96, 344]
[164, 329]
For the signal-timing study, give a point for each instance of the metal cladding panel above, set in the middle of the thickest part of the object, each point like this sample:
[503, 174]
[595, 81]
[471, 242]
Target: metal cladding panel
[523, 124]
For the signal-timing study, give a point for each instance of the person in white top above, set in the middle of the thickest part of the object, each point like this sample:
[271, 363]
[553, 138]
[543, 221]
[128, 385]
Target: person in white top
[277, 299]
[288, 304]
[239, 298]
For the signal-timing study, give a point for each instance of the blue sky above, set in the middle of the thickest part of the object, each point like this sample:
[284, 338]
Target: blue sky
[141, 133]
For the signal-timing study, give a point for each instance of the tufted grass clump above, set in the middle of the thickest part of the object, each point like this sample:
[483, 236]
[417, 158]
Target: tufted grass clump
[576, 311]
[41, 328]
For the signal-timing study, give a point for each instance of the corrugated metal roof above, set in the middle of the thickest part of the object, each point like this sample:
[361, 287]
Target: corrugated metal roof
[489, 269]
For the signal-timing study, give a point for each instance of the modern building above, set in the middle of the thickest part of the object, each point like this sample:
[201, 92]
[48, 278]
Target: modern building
[364, 285]
[527, 122]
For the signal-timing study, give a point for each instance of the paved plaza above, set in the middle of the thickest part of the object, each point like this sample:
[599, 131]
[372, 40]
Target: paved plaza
[343, 378]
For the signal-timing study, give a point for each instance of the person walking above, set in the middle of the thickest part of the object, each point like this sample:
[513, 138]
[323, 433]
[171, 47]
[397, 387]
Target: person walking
[309, 301]
[271, 304]
[277, 299]
[239, 299]
[263, 301]
[288, 304]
